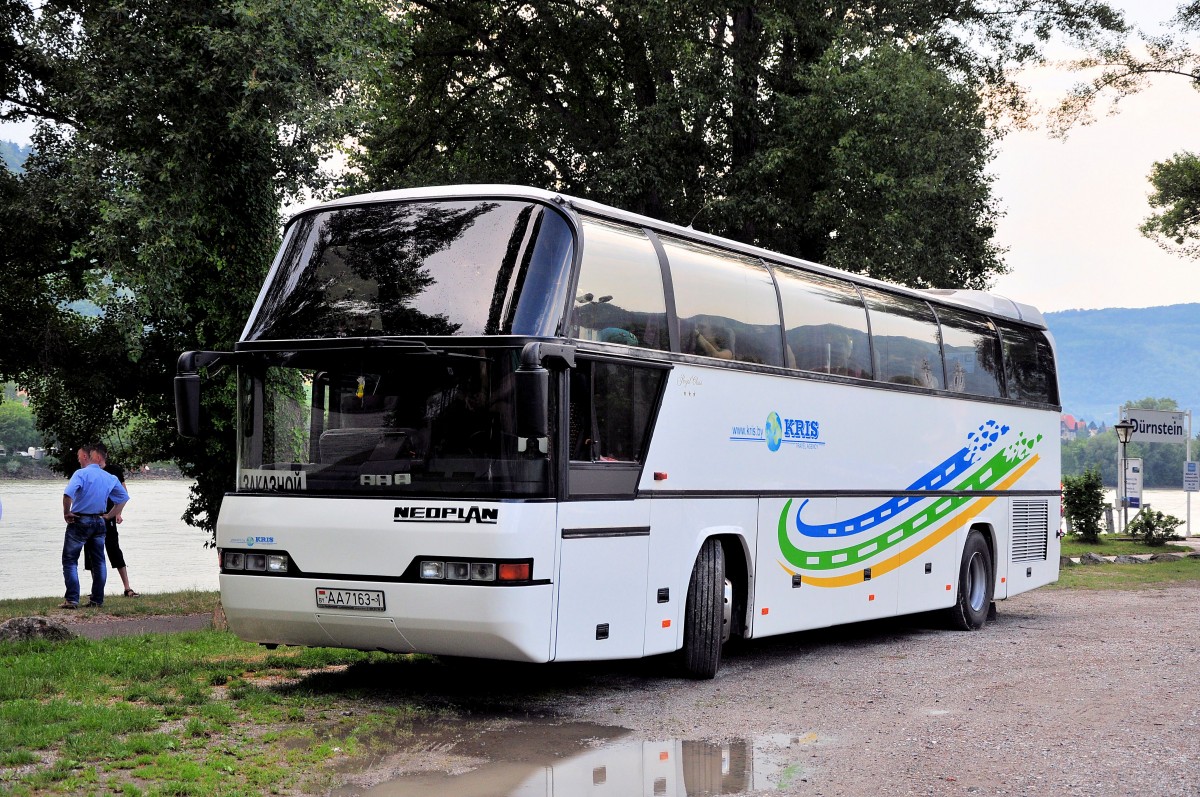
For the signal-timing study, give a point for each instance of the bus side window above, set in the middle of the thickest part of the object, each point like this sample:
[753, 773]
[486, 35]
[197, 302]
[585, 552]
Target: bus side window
[726, 304]
[904, 336]
[611, 408]
[1028, 364]
[826, 324]
[620, 297]
[972, 351]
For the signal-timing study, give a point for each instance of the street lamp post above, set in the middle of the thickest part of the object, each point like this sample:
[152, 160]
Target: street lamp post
[1124, 430]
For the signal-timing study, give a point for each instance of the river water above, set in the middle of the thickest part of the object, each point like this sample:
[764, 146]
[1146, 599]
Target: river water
[163, 553]
[1169, 502]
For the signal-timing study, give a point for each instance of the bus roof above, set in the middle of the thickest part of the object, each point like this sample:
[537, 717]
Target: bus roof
[982, 301]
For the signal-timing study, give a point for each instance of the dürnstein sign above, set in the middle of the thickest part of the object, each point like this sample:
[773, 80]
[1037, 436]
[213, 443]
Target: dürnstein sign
[1158, 426]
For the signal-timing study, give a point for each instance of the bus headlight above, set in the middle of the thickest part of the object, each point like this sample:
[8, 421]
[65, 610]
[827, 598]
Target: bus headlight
[483, 571]
[496, 572]
[248, 562]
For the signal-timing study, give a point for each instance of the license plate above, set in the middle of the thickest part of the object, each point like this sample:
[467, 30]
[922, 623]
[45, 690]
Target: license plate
[367, 599]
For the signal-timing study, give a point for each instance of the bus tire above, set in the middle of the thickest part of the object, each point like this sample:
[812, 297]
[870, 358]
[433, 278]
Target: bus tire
[704, 613]
[975, 585]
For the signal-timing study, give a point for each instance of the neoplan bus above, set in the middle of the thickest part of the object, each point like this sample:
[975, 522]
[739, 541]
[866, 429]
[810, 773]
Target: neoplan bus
[499, 422]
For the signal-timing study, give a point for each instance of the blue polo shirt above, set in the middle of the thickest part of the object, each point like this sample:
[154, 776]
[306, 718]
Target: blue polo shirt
[90, 488]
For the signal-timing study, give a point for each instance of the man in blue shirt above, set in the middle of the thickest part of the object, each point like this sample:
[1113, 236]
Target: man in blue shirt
[84, 501]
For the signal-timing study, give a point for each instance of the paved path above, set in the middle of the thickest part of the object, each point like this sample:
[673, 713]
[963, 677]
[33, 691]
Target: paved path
[103, 627]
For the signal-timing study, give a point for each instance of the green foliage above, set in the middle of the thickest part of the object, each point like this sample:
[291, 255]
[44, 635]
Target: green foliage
[1176, 224]
[1153, 527]
[1083, 503]
[169, 135]
[857, 134]
[17, 429]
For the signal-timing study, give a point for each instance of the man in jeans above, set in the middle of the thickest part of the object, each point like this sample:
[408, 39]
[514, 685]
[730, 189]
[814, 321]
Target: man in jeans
[84, 500]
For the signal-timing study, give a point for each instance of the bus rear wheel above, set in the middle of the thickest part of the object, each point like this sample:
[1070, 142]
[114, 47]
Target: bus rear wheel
[704, 613]
[975, 585]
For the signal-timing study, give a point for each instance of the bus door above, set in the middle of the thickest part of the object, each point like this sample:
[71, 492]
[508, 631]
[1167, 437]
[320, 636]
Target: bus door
[603, 528]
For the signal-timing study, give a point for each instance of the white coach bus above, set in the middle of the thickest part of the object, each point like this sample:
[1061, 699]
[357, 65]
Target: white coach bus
[499, 422]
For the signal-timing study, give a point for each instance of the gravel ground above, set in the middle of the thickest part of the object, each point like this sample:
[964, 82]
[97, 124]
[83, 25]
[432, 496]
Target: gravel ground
[1065, 693]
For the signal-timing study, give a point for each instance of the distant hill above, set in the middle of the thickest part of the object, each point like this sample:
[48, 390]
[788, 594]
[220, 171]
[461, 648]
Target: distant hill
[14, 155]
[1107, 357]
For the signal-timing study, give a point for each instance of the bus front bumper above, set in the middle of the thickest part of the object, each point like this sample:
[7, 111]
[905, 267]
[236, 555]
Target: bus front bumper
[511, 623]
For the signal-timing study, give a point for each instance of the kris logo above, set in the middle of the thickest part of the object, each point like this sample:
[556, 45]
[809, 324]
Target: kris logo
[488, 516]
[777, 432]
[250, 542]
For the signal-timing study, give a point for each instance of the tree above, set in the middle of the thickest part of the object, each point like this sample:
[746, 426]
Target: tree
[1125, 70]
[853, 133]
[169, 135]
[17, 430]
[1083, 504]
[1176, 226]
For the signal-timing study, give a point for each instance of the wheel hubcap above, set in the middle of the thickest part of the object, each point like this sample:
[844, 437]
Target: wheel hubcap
[976, 587]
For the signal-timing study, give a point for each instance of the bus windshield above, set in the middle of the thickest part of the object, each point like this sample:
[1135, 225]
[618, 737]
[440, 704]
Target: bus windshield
[458, 267]
[386, 423]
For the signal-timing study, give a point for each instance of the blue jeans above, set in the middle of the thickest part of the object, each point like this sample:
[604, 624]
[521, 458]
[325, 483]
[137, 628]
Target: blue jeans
[85, 531]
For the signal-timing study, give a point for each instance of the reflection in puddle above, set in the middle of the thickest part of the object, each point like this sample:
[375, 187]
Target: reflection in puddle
[577, 759]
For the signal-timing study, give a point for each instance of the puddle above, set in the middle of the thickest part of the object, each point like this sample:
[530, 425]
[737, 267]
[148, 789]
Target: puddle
[577, 759]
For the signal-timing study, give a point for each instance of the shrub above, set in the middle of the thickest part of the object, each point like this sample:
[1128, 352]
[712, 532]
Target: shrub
[1083, 503]
[1153, 527]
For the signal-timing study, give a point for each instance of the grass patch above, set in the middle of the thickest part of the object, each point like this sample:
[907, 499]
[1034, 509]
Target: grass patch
[1115, 546]
[116, 605]
[200, 713]
[1145, 576]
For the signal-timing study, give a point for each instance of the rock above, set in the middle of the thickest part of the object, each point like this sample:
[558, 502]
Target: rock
[1126, 559]
[1167, 557]
[1091, 558]
[20, 629]
[1066, 561]
[1194, 555]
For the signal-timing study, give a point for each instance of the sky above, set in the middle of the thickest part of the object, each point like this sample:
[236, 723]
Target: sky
[1072, 207]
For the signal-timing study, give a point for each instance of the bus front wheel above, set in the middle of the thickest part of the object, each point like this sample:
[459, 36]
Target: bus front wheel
[704, 613]
[975, 585]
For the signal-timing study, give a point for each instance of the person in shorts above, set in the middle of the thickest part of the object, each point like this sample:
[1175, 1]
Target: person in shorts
[85, 510]
[112, 542]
